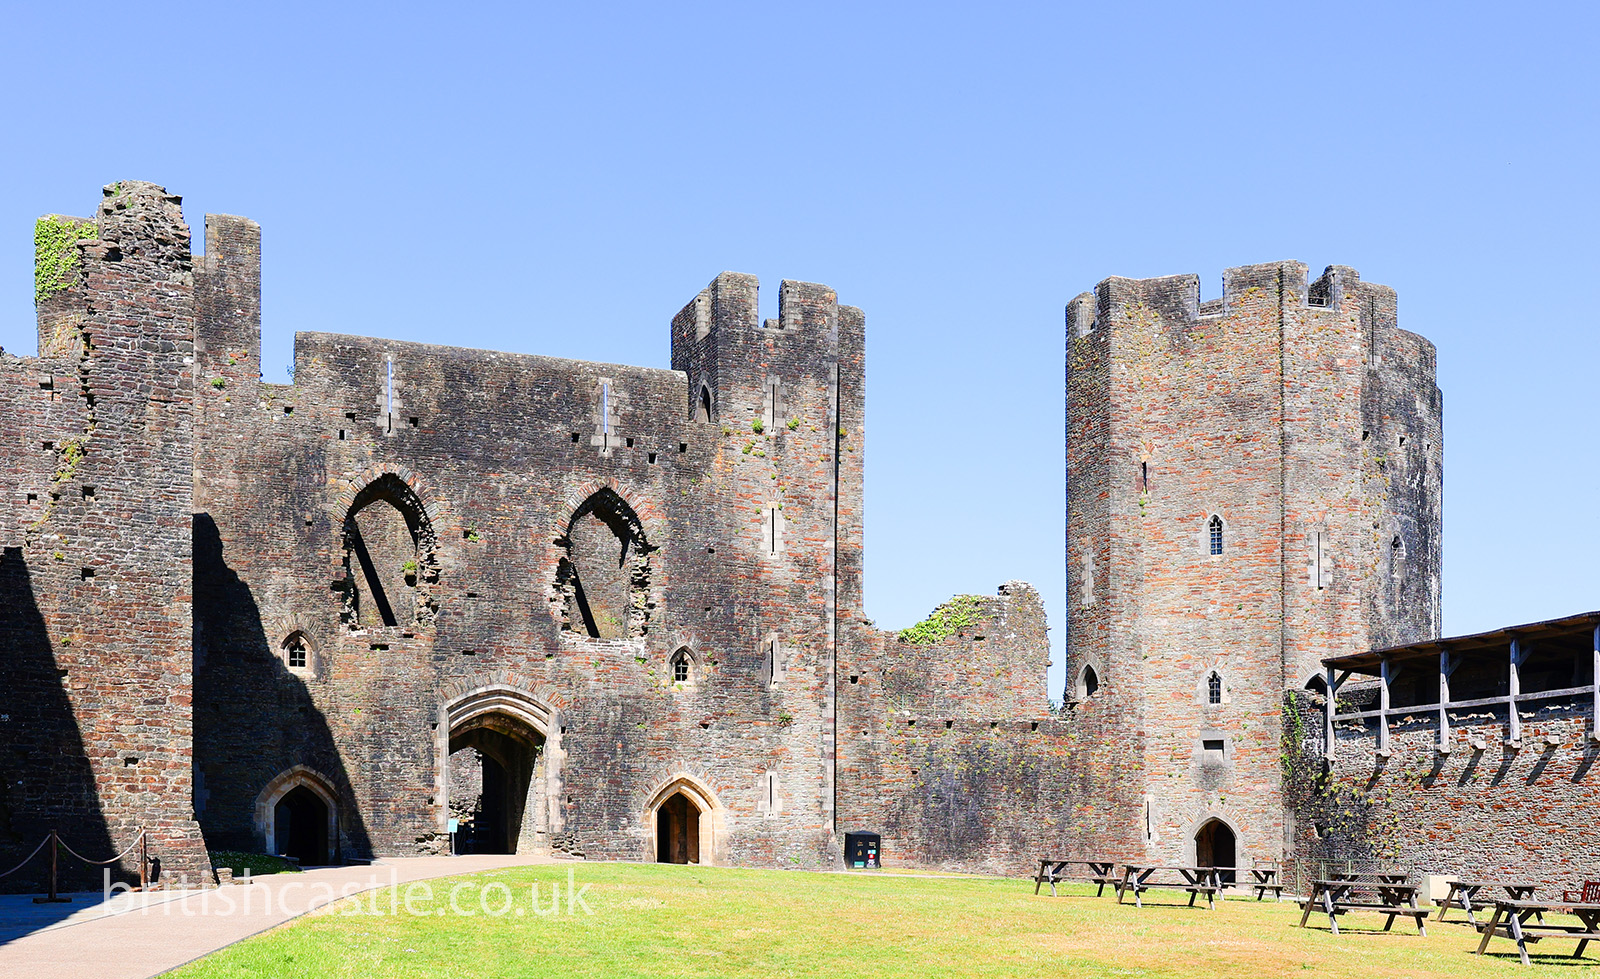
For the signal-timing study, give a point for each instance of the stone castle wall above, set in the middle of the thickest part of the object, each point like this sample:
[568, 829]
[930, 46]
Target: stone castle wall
[414, 550]
[96, 737]
[1261, 409]
[501, 451]
[951, 750]
[1488, 810]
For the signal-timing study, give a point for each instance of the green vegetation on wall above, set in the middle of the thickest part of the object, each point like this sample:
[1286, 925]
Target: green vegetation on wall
[947, 620]
[55, 253]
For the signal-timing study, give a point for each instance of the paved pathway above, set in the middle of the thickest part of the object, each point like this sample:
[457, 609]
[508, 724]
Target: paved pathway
[134, 936]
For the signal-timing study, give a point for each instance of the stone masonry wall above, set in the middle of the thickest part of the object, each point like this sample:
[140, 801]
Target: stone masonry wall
[1256, 408]
[500, 451]
[950, 749]
[1488, 810]
[98, 434]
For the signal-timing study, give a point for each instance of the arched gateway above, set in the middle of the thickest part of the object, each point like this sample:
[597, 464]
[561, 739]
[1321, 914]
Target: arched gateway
[500, 761]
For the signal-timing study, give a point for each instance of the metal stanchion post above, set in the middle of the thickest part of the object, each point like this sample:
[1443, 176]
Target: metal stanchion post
[144, 860]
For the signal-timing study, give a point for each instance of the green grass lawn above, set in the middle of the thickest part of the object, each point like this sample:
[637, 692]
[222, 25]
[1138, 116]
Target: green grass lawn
[258, 864]
[660, 920]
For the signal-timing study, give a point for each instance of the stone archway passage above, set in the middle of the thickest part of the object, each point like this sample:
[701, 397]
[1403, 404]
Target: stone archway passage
[1214, 846]
[678, 830]
[300, 825]
[496, 777]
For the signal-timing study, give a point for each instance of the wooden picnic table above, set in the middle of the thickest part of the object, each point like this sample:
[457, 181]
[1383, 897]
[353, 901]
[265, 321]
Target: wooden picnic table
[1349, 892]
[1510, 920]
[1382, 877]
[1195, 880]
[1262, 880]
[1052, 871]
[1464, 895]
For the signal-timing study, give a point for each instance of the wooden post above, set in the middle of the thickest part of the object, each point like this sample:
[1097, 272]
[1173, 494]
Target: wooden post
[1327, 714]
[1387, 675]
[144, 861]
[54, 897]
[1594, 678]
[1514, 719]
[1447, 666]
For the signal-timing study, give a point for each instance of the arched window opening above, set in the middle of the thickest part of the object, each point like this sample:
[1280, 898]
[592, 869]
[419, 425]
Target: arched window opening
[1214, 688]
[388, 557]
[296, 651]
[1317, 685]
[1090, 682]
[703, 409]
[681, 666]
[603, 580]
[1214, 534]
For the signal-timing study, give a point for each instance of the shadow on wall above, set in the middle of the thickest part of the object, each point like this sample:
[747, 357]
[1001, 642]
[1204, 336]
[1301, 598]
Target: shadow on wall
[254, 720]
[48, 781]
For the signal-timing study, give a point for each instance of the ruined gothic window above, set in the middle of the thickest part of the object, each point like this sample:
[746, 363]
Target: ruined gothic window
[389, 562]
[603, 576]
[1214, 534]
[1091, 682]
[703, 409]
[1214, 688]
[680, 666]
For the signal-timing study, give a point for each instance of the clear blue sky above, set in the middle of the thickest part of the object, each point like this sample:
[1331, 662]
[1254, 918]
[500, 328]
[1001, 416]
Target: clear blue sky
[559, 179]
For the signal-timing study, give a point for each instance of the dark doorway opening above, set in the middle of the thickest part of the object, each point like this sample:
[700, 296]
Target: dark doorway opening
[1214, 847]
[678, 830]
[496, 776]
[300, 825]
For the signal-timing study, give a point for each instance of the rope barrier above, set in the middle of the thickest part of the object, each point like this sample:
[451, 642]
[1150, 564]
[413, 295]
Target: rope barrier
[100, 863]
[56, 846]
[25, 859]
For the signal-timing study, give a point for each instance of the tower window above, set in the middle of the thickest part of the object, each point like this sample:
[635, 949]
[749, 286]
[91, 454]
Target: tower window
[1214, 534]
[295, 651]
[772, 530]
[703, 409]
[1214, 688]
[680, 666]
[1091, 682]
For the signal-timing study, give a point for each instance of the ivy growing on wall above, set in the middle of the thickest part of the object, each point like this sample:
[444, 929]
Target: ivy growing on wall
[947, 620]
[55, 253]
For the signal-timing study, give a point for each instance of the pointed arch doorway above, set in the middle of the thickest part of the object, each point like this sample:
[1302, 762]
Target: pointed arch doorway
[1215, 846]
[501, 762]
[685, 822]
[678, 830]
[297, 815]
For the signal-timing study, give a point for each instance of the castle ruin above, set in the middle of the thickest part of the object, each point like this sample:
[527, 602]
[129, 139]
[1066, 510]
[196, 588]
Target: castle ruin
[426, 597]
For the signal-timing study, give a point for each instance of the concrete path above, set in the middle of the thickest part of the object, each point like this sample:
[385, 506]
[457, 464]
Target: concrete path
[134, 936]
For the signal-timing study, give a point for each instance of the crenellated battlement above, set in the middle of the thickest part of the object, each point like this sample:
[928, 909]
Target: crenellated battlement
[1177, 297]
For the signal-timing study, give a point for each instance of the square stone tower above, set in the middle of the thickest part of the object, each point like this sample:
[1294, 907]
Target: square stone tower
[1253, 484]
